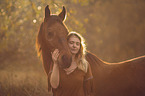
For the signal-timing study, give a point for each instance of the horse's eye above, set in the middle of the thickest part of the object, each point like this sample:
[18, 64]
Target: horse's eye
[50, 34]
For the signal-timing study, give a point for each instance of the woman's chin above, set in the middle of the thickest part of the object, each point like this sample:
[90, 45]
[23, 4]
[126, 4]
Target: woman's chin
[73, 53]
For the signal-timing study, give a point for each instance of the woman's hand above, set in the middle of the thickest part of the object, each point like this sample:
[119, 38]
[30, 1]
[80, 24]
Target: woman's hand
[54, 78]
[55, 55]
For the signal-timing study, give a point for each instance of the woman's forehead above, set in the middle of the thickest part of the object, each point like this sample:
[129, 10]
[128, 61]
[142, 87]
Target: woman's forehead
[74, 38]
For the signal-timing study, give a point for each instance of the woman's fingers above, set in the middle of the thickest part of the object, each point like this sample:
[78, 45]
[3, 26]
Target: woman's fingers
[56, 52]
[55, 55]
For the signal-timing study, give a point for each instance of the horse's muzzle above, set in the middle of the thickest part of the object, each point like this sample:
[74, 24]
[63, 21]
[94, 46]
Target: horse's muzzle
[65, 61]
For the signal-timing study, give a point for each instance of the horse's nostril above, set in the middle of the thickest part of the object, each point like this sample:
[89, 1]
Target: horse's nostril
[64, 58]
[66, 61]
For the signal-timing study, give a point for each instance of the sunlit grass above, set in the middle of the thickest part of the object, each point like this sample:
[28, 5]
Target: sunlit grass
[18, 83]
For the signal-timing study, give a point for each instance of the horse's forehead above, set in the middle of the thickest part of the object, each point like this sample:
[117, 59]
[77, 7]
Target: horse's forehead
[54, 20]
[57, 27]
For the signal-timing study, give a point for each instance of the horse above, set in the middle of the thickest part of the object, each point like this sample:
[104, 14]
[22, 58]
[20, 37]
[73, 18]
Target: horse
[48, 39]
[126, 78]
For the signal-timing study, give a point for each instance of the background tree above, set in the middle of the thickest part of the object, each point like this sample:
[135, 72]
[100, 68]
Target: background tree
[114, 30]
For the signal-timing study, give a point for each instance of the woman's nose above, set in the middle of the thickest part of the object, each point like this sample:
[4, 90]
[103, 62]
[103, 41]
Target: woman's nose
[74, 45]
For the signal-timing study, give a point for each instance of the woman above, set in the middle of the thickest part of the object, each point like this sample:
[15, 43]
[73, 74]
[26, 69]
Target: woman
[77, 79]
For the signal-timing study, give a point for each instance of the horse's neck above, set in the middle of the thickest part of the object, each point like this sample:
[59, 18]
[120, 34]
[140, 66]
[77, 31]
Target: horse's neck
[46, 58]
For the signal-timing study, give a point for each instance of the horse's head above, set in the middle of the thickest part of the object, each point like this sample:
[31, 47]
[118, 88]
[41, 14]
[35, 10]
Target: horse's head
[53, 34]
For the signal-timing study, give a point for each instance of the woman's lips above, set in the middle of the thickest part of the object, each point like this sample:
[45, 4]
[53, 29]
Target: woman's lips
[73, 49]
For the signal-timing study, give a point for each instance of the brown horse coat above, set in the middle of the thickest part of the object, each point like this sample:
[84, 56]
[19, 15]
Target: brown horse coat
[126, 78]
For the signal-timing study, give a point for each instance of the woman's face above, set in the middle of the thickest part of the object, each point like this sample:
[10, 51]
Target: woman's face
[74, 44]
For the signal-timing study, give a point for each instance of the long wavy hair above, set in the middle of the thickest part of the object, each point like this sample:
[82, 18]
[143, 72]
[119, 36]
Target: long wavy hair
[80, 56]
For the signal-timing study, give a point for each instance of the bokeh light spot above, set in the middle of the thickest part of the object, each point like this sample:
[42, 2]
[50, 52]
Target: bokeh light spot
[34, 21]
[19, 6]
[39, 7]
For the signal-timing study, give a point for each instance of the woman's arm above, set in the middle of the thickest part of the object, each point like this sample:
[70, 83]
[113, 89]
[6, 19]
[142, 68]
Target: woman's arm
[54, 78]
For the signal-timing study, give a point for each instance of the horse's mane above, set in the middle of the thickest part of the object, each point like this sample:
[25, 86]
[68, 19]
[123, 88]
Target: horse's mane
[39, 41]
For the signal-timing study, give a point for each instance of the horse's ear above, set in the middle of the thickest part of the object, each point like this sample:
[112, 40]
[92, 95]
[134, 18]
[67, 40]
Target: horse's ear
[47, 11]
[62, 15]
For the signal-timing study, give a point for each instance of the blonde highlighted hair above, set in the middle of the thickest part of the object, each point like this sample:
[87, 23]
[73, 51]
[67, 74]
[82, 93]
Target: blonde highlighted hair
[80, 56]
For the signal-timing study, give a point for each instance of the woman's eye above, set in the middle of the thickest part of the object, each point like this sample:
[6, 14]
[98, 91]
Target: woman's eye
[77, 43]
[71, 42]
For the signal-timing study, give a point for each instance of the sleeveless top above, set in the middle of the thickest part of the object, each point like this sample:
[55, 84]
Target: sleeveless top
[77, 83]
